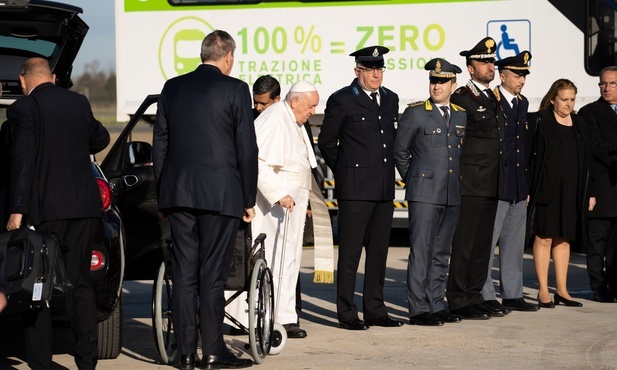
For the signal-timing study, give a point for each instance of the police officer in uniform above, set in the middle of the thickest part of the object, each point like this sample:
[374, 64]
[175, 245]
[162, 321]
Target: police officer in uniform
[356, 141]
[510, 221]
[482, 165]
[426, 153]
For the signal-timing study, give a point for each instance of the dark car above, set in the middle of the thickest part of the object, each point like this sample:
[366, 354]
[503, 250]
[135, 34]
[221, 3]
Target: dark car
[55, 31]
[128, 165]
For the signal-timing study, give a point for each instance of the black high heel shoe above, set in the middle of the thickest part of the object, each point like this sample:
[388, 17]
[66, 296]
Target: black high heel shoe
[548, 304]
[566, 302]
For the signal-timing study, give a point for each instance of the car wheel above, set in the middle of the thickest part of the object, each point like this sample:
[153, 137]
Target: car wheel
[110, 334]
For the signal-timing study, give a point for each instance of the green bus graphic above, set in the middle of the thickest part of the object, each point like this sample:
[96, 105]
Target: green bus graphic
[187, 44]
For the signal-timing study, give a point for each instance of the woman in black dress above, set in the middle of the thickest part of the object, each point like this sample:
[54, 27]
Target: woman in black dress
[559, 171]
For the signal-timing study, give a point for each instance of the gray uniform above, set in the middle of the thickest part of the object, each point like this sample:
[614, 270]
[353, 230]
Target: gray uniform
[426, 154]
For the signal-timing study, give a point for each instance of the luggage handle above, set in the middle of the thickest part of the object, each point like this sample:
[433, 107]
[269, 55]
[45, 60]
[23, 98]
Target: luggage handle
[22, 260]
[24, 257]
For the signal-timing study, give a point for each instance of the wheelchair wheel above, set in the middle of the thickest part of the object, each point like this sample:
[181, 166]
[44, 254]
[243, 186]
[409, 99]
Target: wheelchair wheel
[261, 311]
[279, 339]
[162, 325]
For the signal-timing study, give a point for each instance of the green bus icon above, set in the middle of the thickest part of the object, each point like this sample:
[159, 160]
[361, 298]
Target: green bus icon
[187, 48]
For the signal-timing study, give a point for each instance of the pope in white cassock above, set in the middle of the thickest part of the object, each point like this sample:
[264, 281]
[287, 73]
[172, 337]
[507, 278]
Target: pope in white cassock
[283, 189]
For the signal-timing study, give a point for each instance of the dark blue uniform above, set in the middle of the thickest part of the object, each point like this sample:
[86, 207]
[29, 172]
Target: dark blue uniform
[356, 141]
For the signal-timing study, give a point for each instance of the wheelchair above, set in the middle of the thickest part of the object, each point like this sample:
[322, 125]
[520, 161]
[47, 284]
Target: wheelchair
[249, 273]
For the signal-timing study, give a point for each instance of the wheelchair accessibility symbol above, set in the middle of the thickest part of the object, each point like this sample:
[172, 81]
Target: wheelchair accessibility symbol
[512, 36]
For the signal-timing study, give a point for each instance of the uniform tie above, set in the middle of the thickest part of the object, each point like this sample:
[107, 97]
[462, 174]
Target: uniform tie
[374, 97]
[515, 106]
[446, 115]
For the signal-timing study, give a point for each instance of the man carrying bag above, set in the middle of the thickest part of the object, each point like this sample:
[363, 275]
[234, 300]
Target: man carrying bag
[52, 133]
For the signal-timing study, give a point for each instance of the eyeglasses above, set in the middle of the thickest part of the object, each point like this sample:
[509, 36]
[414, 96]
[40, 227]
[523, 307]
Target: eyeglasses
[371, 70]
[612, 84]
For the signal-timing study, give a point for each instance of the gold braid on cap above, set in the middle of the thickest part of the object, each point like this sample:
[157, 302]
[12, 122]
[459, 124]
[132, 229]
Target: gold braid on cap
[437, 72]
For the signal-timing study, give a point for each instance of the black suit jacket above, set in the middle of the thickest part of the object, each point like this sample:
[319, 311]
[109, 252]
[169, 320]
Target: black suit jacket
[602, 125]
[61, 185]
[482, 159]
[205, 151]
[356, 141]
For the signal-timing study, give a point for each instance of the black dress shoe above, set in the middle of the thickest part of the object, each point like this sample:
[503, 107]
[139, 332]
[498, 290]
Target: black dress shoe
[486, 309]
[225, 361]
[519, 304]
[470, 313]
[425, 319]
[495, 306]
[548, 304]
[353, 324]
[603, 296]
[446, 317]
[566, 302]
[294, 331]
[384, 321]
[187, 362]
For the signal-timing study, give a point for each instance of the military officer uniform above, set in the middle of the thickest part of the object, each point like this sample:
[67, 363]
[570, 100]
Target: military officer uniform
[482, 175]
[511, 217]
[356, 141]
[426, 153]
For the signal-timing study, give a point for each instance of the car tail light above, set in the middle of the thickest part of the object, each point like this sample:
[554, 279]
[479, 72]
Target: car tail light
[97, 261]
[105, 193]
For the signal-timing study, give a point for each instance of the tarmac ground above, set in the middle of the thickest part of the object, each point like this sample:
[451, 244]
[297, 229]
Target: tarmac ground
[559, 338]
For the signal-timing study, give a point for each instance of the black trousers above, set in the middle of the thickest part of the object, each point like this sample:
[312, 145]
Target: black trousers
[362, 223]
[601, 253]
[203, 245]
[79, 236]
[471, 250]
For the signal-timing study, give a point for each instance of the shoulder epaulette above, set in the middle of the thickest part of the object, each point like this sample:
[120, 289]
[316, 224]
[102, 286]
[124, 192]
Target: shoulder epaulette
[416, 103]
[461, 90]
[341, 89]
[457, 107]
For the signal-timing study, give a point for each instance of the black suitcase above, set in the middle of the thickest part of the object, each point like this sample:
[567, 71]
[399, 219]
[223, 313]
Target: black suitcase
[30, 259]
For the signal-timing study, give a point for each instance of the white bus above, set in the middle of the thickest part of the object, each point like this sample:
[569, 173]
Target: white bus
[311, 40]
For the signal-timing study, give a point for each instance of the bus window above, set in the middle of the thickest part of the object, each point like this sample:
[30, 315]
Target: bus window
[600, 35]
[227, 2]
[212, 2]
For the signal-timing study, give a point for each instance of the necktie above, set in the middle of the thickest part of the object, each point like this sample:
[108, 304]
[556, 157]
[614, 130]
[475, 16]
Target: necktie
[374, 97]
[515, 106]
[614, 108]
[446, 115]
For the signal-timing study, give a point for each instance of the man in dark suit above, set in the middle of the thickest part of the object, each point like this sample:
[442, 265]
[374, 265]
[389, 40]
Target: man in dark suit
[426, 153]
[205, 165]
[52, 187]
[356, 141]
[482, 164]
[601, 119]
[511, 217]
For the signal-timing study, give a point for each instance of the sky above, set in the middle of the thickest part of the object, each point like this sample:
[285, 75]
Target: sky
[100, 42]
